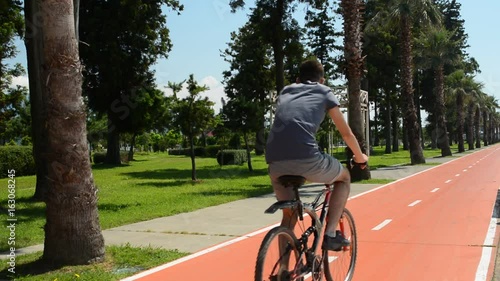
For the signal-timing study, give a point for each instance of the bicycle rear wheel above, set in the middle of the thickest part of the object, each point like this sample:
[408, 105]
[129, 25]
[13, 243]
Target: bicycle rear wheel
[339, 266]
[275, 262]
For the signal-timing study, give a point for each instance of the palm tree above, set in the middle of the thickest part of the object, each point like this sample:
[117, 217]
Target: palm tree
[405, 13]
[354, 61]
[436, 49]
[490, 107]
[72, 232]
[459, 85]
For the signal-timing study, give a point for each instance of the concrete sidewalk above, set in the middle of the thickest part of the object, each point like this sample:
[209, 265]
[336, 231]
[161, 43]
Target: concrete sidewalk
[198, 230]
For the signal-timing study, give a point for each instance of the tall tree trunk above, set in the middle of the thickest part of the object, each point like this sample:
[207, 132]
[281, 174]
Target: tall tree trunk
[470, 125]
[485, 127]
[277, 44]
[132, 146]
[441, 130]
[113, 146]
[376, 138]
[247, 147]
[395, 127]
[193, 162]
[405, 137]
[352, 14]
[477, 119]
[461, 120]
[388, 114]
[34, 54]
[72, 232]
[410, 115]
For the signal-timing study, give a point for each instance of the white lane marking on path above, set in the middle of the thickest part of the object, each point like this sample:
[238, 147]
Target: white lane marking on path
[414, 203]
[448, 181]
[470, 167]
[457, 175]
[482, 268]
[434, 190]
[380, 226]
[465, 170]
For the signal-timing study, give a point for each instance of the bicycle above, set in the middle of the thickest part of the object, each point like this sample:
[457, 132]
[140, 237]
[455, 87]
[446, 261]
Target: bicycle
[284, 257]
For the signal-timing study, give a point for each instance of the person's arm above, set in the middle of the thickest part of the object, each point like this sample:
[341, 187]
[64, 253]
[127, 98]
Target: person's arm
[347, 135]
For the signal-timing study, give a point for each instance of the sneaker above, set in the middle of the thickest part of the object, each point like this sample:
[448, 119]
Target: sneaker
[335, 243]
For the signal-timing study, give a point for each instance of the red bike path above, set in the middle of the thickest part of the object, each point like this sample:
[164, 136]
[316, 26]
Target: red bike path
[435, 225]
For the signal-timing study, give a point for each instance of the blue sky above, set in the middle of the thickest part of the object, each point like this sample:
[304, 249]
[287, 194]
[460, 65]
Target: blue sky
[203, 30]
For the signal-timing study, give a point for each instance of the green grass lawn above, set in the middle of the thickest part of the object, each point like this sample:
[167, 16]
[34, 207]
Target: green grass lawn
[154, 185]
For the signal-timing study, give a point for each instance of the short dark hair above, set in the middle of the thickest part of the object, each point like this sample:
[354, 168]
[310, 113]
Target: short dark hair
[311, 70]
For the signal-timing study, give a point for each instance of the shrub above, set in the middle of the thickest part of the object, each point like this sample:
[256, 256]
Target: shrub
[235, 141]
[18, 158]
[99, 157]
[212, 150]
[232, 157]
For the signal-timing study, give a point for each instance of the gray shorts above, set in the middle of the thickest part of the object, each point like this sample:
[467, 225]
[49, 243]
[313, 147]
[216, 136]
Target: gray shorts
[321, 169]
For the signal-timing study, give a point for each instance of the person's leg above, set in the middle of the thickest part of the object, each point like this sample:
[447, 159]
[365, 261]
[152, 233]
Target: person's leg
[282, 193]
[338, 199]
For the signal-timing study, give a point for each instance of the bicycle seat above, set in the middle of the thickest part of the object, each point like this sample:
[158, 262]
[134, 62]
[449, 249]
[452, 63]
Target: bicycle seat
[292, 180]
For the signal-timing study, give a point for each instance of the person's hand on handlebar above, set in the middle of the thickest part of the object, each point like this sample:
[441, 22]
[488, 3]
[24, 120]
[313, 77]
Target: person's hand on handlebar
[361, 161]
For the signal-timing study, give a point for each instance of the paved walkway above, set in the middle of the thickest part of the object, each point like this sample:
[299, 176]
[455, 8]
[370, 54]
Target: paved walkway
[201, 229]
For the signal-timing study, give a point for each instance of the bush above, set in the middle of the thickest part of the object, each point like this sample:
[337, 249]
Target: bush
[18, 158]
[199, 151]
[212, 150]
[232, 157]
[99, 157]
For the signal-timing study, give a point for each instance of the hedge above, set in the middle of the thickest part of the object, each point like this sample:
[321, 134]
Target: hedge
[232, 157]
[18, 158]
[199, 151]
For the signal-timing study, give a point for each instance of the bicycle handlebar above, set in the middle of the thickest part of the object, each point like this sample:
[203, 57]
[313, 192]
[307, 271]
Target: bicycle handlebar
[353, 163]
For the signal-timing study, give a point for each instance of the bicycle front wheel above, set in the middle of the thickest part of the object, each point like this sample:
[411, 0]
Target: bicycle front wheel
[278, 256]
[339, 266]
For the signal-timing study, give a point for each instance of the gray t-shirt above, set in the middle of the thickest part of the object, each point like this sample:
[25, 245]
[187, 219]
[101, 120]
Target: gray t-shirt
[300, 110]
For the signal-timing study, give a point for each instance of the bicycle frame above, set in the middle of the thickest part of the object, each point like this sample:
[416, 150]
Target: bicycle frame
[297, 204]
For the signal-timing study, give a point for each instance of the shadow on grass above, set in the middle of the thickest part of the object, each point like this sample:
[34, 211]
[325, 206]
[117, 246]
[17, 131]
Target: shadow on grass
[116, 207]
[184, 175]
[98, 167]
[258, 189]
[26, 209]
[37, 267]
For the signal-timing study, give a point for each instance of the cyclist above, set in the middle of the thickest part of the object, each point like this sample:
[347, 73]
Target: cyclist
[291, 147]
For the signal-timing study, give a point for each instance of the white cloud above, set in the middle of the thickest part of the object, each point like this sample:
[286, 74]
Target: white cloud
[20, 81]
[214, 94]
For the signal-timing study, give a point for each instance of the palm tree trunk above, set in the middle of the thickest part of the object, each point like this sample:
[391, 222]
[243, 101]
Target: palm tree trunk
[34, 49]
[351, 12]
[485, 127]
[460, 125]
[410, 115]
[388, 113]
[441, 130]
[277, 44]
[477, 122]
[395, 126]
[72, 232]
[470, 125]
